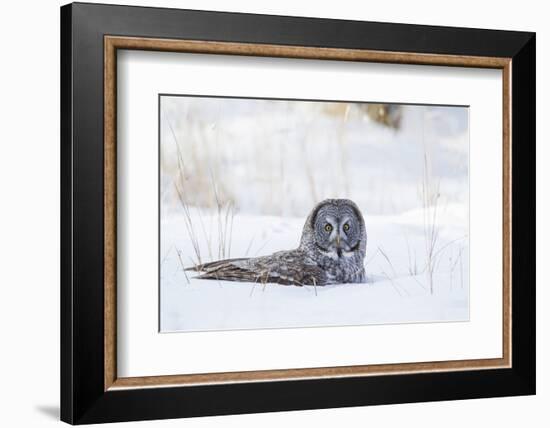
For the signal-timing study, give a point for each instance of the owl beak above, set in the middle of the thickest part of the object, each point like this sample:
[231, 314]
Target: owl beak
[338, 241]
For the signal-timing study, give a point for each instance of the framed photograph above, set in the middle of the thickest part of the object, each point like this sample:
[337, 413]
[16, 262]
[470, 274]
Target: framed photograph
[265, 213]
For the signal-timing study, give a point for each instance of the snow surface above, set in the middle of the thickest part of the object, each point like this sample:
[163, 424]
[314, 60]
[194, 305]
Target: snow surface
[392, 294]
[272, 161]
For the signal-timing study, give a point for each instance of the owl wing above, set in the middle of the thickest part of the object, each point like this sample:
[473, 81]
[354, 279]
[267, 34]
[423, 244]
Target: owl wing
[213, 265]
[285, 267]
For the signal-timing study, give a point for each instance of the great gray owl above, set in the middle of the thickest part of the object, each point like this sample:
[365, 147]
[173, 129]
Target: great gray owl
[331, 251]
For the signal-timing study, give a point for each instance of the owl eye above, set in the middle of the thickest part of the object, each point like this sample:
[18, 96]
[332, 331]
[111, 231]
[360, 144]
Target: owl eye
[346, 227]
[328, 227]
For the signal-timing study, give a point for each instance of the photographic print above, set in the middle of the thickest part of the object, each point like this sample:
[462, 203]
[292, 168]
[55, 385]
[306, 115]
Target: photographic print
[280, 213]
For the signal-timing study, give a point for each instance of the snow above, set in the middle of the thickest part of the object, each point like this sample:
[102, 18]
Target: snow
[266, 164]
[392, 294]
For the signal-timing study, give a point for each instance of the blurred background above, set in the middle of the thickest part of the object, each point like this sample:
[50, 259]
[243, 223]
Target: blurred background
[278, 157]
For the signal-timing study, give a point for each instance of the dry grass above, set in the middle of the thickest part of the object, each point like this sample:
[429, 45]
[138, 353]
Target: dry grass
[392, 278]
[198, 233]
[431, 198]
[430, 204]
[182, 265]
[413, 266]
[453, 266]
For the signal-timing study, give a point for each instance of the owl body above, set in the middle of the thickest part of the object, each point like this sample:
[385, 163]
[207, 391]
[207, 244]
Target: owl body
[332, 251]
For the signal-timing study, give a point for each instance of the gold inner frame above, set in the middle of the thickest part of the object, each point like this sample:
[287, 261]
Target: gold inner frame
[113, 43]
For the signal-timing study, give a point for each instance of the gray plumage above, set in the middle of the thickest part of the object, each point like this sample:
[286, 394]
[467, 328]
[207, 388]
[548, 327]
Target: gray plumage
[331, 251]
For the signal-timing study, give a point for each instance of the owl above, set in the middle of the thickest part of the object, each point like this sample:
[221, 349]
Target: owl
[332, 251]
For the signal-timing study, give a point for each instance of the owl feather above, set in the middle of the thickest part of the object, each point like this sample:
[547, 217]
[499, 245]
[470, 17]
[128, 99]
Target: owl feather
[332, 250]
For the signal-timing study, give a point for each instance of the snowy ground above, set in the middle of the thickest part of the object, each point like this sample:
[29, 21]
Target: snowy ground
[392, 294]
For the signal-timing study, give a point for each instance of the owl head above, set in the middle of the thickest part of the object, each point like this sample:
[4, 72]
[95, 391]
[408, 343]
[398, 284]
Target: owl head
[335, 228]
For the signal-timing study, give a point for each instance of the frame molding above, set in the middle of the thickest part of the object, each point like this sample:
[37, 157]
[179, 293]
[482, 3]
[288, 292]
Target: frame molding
[114, 43]
[90, 390]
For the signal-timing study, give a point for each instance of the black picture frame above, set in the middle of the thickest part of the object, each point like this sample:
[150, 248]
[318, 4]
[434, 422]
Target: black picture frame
[83, 397]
